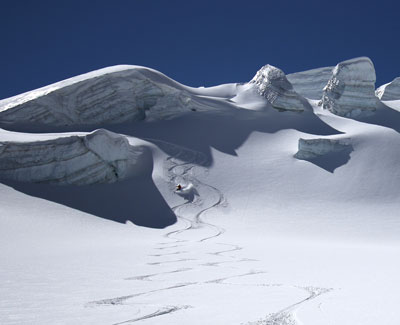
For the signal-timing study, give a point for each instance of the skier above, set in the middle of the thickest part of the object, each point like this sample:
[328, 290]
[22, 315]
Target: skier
[178, 187]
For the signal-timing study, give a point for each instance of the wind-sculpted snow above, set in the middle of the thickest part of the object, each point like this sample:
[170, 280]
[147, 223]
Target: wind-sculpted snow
[351, 89]
[310, 83]
[389, 91]
[290, 248]
[99, 157]
[107, 96]
[272, 84]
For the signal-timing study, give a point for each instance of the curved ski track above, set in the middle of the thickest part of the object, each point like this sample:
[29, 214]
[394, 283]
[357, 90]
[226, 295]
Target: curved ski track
[181, 168]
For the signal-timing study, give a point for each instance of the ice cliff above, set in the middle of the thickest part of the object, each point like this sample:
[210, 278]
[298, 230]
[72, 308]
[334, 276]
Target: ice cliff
[389, 91]
[98, 157]
[311, 148]
[271, 83]
[122, 94]
[350, 91]
[310, 83]
[106, 96]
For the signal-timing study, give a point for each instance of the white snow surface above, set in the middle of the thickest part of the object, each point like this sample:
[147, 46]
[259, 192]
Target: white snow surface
[257, 236]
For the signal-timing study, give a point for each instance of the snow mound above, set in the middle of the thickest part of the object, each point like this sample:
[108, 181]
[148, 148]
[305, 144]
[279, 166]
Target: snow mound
[106, 96]
[350, 91]
[310, 83]
[271, 83]
[389, 91]
[98, 157]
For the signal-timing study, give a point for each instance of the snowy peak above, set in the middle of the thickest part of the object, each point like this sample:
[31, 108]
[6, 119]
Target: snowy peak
[389, 91]
[272, 84]
[351, 89]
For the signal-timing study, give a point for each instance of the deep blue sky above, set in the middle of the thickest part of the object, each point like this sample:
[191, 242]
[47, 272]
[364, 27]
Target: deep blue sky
[194, 42]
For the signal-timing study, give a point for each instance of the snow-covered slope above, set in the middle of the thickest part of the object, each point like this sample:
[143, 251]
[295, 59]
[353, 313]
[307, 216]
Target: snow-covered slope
[288, 212]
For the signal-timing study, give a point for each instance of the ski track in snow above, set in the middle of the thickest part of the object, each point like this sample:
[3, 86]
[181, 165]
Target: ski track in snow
[287, 316]
[149, 276]
[164, 311]
[173, 253]
[121, 300]
[181, 168]
[173, 261]
[234, 249]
